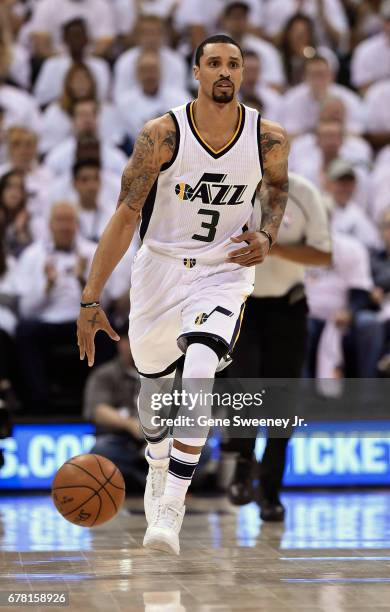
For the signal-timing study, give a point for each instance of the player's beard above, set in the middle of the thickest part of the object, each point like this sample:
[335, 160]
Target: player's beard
[223, 97]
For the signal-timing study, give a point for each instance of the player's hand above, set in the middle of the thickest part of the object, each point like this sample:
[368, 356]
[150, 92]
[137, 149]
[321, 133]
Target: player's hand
[89, 322]
[252, 253]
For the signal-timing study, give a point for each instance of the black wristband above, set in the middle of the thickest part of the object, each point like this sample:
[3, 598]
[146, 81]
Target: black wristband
[270, 239]
[89, 304]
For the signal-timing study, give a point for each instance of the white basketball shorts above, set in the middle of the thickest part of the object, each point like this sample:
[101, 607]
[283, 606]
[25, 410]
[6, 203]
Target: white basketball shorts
[172, 299]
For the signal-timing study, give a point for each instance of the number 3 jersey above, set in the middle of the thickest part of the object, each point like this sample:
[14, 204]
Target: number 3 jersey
[203, 197]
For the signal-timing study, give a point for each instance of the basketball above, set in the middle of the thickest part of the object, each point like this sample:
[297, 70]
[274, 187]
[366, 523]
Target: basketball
[88, 490]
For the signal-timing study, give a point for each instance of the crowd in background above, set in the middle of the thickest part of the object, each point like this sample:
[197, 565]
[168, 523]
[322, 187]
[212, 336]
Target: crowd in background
[78, 79]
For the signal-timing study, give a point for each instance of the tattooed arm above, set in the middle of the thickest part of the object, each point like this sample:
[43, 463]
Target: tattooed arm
[154, 146]
[273, 194]
[273, 189]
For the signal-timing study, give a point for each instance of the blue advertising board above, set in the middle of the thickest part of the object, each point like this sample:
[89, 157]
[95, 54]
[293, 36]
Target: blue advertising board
[323, 454]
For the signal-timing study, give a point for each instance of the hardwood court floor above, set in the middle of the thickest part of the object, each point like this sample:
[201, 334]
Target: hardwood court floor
[332, 554]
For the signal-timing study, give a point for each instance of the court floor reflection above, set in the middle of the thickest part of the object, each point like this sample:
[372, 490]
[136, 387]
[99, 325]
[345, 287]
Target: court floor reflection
[332, 553]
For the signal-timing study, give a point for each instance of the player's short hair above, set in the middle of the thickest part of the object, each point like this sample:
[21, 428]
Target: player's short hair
[217, 38]
[85, 163]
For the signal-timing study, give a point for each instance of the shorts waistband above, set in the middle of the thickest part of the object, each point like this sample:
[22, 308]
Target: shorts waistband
[183, 262]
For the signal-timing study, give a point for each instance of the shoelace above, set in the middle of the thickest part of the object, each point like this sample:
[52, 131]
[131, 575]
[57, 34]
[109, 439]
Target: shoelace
[170, 518]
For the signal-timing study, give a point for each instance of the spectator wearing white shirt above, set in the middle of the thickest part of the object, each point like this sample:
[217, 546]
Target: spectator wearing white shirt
[94, 208]
[356, 149]
[79, 85]
[48, 19]
[380, 265]
[298, 43]
[22, 144]
[328, 16]
[50, 81]
[14, 216]
[252, 89]
[61, 158]
[367, 20]
[201, 18]
[371, 58]
[236, 24]
[126, 12]
[18, 106]
[347, 217]
[149, 99]
[312, 153]
[380, 186]
[8, 318]
[50, 276]
[18, 57]
[377, 101]
[336, 295]
[151, 36]
[302, 104]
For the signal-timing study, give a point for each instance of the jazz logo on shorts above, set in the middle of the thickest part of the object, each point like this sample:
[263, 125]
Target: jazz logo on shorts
[202, 318]
[211, 189]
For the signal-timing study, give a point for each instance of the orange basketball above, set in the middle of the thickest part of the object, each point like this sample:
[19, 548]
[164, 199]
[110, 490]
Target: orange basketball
[88, 490]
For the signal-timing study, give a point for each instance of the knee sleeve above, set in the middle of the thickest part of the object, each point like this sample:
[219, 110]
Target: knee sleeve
[200, 362]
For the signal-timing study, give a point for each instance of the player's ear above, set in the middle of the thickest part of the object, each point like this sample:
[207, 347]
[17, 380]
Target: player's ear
[196, 72]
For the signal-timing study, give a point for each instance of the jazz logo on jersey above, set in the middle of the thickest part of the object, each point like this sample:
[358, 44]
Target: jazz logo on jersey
[211, 189]
[202, 318]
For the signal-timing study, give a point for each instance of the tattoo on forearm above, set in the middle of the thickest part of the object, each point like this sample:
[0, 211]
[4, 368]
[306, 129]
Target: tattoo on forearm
[273, 190]
[273, 206]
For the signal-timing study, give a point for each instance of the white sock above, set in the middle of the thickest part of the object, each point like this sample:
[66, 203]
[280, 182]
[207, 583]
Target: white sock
[180, 472]
[159, 450]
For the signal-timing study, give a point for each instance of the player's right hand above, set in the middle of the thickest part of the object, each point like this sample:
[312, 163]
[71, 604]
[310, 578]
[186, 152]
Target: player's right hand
[89, 322]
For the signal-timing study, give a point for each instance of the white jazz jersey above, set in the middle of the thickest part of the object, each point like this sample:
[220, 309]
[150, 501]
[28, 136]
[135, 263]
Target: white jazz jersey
[203, 197]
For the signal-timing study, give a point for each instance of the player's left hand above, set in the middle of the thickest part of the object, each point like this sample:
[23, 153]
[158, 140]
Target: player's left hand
[252, 253]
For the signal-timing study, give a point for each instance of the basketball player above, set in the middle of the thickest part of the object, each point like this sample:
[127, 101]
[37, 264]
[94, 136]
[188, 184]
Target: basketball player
[191, 180]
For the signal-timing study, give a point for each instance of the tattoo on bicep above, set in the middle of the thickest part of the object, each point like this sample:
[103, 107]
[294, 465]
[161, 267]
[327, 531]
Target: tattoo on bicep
[144, 166]
[268, 142]
[170, 140]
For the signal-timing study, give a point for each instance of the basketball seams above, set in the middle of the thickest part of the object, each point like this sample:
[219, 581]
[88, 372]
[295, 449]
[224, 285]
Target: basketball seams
[101, 469]
[102, 485]
[98, 512]
[86, 501]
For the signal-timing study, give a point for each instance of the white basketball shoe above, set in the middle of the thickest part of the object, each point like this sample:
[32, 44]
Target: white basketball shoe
[163, 533]
[155, 485]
